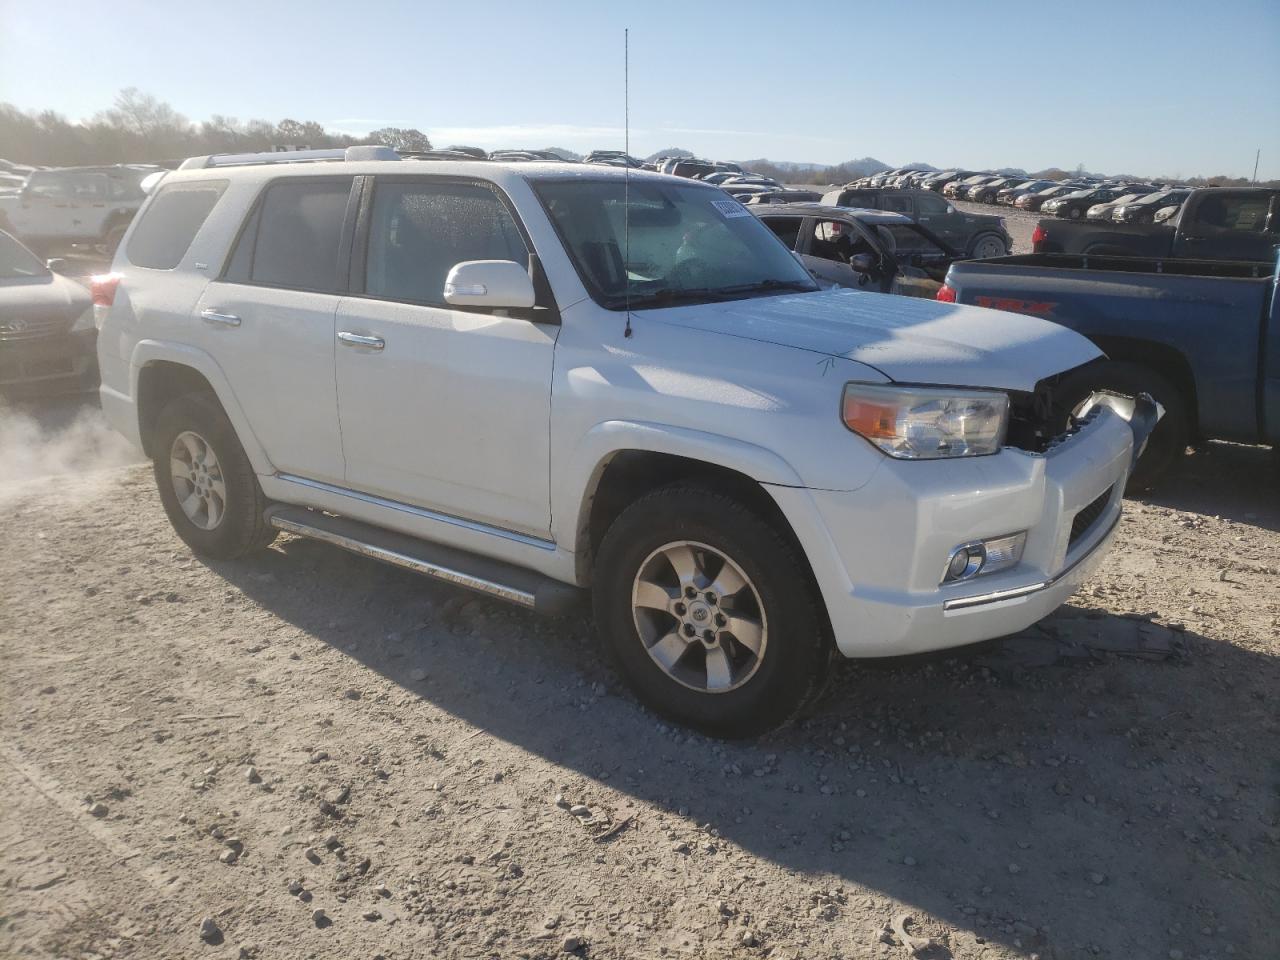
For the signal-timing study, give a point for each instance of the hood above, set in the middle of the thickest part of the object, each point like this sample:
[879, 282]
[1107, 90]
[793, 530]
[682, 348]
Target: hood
[48, 296]
[908, 339]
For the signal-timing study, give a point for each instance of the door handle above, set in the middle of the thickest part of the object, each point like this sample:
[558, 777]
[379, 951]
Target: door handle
[359, 340]
[225, 319]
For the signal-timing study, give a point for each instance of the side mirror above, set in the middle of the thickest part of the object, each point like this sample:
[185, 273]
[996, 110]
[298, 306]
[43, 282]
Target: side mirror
[56, 264]
[863, 262]
[498, 284]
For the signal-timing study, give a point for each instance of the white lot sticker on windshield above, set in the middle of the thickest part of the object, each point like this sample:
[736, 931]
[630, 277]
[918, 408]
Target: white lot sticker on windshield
[731, 208]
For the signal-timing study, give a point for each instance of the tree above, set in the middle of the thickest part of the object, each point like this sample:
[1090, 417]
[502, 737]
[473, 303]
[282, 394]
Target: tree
[402, 138]
[143, 115]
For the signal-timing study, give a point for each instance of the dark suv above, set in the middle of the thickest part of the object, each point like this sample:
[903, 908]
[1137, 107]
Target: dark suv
[977, 235]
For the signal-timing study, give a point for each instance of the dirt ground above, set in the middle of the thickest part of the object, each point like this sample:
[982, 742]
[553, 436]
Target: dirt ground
[314, 755]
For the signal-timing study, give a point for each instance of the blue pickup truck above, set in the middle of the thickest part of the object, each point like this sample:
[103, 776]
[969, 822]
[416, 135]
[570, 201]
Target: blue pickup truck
[1202, 337]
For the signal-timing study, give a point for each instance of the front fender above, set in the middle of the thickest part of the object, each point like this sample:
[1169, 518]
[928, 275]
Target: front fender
[147, 352]
[571, 499]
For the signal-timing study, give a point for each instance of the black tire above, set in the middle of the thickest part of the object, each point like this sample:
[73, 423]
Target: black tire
[111, 242]
[241, 528]
[1075, 213]
[794, 661]
[1168, 442]
[983, 238]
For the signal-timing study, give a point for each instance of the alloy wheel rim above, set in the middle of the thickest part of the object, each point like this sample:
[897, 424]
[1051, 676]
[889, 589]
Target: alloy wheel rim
[699, 617]
[197, 480]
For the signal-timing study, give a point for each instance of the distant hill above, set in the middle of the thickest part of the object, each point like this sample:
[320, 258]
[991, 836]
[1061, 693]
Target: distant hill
[669, 152]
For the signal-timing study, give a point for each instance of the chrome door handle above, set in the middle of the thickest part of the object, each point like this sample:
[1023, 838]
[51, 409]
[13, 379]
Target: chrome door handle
[226, 319]
[358, 340]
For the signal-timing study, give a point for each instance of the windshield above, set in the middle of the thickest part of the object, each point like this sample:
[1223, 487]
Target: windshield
[687, 244]
[17, 262]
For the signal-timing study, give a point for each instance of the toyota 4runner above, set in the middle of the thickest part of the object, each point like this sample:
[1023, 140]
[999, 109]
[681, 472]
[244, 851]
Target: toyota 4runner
[533, 379]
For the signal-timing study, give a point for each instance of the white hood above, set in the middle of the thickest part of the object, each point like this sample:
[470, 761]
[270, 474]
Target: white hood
[907, 339]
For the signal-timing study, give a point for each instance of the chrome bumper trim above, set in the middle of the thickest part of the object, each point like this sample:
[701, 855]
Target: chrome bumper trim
[1013, 593]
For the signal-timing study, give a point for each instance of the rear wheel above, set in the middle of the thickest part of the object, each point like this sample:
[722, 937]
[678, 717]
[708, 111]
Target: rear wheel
[708, 612]
[1076, 213]
[206, 483]
[1168, 442]
[111, 242]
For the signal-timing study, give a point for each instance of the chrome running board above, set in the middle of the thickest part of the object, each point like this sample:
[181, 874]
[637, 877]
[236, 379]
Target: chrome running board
[494, 578]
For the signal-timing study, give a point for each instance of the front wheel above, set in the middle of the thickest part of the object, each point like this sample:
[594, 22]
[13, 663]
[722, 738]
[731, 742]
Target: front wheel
[709, 613]
[206, 483]
[988, 246]
[1076, 213]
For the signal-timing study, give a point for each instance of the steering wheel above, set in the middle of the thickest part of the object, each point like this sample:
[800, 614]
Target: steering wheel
[686, 273]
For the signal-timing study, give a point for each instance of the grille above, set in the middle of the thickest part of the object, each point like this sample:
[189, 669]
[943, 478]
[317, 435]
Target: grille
[30, 328]
[1088, 516]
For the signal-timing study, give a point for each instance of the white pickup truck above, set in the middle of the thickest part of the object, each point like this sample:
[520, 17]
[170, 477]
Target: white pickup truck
[531, 379]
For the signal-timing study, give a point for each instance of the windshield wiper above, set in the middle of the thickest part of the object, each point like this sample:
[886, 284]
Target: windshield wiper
[802, 286]
[664, 296]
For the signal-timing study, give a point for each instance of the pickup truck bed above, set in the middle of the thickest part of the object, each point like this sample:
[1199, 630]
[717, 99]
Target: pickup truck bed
[1202, 337]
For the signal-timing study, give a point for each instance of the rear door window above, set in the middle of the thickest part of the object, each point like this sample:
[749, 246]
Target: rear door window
[787, 229]
[294, 238]
[421, 229]
[897, 202]
[171, 221]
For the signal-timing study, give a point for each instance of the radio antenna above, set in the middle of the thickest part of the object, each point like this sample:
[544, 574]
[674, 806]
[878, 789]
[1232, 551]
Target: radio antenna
[626, 175]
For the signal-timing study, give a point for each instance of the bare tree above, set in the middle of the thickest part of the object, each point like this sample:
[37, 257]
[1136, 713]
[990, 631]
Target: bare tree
[401, 138]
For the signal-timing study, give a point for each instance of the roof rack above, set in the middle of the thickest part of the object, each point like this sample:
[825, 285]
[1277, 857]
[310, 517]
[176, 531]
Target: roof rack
[363, 152]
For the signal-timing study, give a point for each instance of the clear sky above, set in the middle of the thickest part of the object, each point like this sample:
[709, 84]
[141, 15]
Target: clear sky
[1159, 88]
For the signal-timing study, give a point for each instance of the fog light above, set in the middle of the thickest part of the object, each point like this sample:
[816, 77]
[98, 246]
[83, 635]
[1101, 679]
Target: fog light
[983, 557]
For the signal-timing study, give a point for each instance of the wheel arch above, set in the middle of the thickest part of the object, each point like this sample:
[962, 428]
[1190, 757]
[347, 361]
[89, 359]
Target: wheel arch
[620, 461]
[163, 371]
[1165, 360]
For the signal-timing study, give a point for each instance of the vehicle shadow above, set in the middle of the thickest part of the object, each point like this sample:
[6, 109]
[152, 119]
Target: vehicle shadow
[1229, 480]
[1084, 788]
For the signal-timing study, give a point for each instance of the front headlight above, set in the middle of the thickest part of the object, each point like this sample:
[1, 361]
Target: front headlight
[925, 423]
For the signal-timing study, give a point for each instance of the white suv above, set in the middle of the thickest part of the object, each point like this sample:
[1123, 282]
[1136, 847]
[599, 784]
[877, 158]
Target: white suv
[529, 379]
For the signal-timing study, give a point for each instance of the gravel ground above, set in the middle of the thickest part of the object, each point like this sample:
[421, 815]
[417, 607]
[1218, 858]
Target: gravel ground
[1019, 223]
[308, 754]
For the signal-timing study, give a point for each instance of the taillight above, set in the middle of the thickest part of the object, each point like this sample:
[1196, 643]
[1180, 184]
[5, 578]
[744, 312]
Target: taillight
[946, 294]
[103, 287]
[1038, 235]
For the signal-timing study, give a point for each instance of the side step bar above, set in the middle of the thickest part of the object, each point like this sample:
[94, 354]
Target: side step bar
[493, 578]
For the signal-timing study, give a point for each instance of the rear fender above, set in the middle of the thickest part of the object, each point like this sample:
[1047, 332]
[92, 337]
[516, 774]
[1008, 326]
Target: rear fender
[146, 352]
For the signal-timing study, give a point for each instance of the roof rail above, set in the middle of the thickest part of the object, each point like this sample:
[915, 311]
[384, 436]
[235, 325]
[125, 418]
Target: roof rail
[362, 152]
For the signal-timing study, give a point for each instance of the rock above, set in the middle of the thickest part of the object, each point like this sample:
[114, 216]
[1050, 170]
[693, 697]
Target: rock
[561, 802]
[98, 810]
[319, 756]
[331, 841]
[680, 847]
[210, 932]
[339, 795]
[1014, 868]
[48, 690]
[580, 810]
[311, 854]
[363, 866]
[295, 887]
[417, 674]
[235, 843]
[320, 918]
[749, 938]
[252, 775]
[1097, 879]
[381, 890]
[909, 861]
[371, 915]
[327, 808]
[571, 944]
[229, 857]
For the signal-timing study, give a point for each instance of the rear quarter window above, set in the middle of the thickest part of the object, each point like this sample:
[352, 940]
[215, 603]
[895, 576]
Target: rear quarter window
[171, 221]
